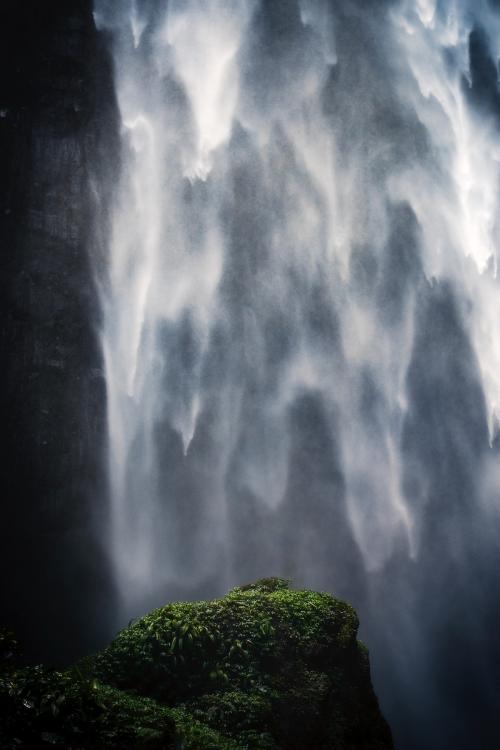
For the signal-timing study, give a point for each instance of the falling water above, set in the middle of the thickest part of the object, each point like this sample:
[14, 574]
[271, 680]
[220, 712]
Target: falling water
[302, 313]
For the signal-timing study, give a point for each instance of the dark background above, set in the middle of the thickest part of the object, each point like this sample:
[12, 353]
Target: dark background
[58, 114]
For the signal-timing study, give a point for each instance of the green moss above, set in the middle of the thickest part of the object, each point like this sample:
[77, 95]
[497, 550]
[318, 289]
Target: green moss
[264, 584]
[264, 668]
[43, 707]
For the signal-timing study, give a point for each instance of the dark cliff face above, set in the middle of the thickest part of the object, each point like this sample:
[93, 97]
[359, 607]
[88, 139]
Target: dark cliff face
[57, 117]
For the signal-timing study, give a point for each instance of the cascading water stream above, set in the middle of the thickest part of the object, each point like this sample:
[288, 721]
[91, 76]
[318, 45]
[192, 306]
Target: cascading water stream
[302, 282]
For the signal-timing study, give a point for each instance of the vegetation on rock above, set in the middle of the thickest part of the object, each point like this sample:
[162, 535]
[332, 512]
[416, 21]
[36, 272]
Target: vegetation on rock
[264, 668]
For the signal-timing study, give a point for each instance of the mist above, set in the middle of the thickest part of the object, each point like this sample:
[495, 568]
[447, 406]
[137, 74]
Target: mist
[301, 324]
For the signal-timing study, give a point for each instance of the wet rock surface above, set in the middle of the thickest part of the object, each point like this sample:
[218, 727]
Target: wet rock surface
[56, 115]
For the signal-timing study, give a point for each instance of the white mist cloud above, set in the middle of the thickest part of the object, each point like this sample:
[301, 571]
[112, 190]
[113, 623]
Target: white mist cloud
[205, 37]
[457, 200]
[262, 169]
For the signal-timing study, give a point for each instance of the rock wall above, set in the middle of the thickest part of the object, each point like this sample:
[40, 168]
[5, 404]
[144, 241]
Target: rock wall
[57, 120]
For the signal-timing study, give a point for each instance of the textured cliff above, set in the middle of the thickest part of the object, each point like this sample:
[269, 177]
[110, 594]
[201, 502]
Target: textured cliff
[57, 117]
[264, 668]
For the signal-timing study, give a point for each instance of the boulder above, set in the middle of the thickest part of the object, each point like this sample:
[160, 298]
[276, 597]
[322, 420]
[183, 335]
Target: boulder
[266, 667]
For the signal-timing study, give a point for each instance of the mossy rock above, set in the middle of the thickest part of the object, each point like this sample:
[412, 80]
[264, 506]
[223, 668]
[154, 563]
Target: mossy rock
[42, 707]
[264, 668]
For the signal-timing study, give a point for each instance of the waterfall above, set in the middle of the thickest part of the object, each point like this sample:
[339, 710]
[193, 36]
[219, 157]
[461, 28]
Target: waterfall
[301, 311]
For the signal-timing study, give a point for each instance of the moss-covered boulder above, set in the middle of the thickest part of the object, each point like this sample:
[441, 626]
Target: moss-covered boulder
[264, 668]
